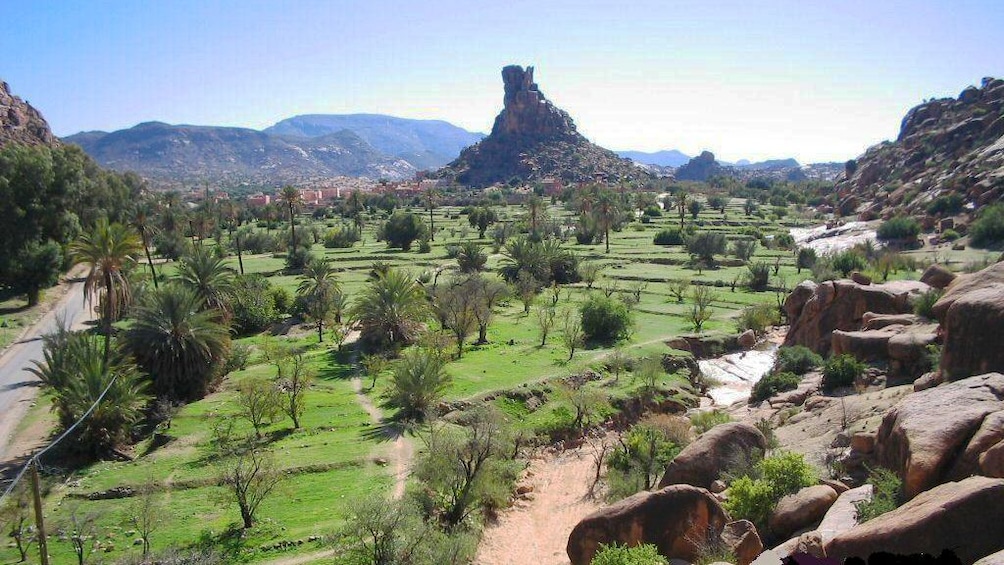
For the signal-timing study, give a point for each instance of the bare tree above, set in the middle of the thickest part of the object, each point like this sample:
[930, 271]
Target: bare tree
[373, 365]
[16, 514]
[571, 331]
[455, 306]
[249, 475]
[488, 293]
[258, 402]
[525, 287]
[143, 514]
[546, 317]
[599, 448]
[80, 530]
[293, 387]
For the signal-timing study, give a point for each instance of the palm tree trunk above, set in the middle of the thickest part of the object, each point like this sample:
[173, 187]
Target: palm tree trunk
[320, 331]
[606, 236]
[240, 258]
[108, 317]
[432, 225]
[149, 260]
[292, 230]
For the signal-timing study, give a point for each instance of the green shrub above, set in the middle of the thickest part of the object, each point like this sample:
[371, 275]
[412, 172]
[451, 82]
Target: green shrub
[424, 246]
[706, 245]
[899, 228]
[758, 276]
[797, 359]
[988, 229]
[403, 228]
[848, 261]
[646, 554]
[252, 303]
[341, 237]
[887, 495]
[705, 420]
[758, 317]
[806, 258]
[841, 370]
[604, 319]
[668, 237]
[754, 495]
[774, 383]
[947, 204]
[924, 306]
[950, 235]
[652, 211]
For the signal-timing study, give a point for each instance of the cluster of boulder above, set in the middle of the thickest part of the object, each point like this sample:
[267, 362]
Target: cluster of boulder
[943, 437]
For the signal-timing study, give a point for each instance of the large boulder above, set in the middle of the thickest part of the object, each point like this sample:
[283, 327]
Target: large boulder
[815, 311]
[904, 347]
[966, 516]
[843, 514]
[702, 462]
[992, 460]
[971, 313]
[921, 436]
[679, 520]
[937, 276]
[801, 510]
[742, 539]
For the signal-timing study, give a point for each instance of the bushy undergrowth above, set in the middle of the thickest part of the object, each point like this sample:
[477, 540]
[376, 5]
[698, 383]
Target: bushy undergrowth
[614, 554]
[753, 496]
[924, 306]
[670, 236]
[902, 228]
[841, 370]
[704, 421]
[797, 359]
[604, 319]
[774, 383]
[887, 495]
[988, 229]
[758, 317]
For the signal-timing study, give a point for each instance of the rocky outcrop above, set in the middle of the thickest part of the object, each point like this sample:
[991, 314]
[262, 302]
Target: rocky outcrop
[700, 168]
[921, 436]
[20, 122]
[902, 340]
[971, 313]
[702, 462]
[679, 520]
[533, 139]
[937, 276]
[945, 146]
[842, 515]
[801, 510]
[965, 516]
[815, 311]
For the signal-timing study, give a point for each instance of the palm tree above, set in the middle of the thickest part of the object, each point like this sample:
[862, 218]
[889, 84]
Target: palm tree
[234, 218]
[291, 198]
[208, 276]
[356, 205]
[535, 212]
[178, 343]
[419, 381]
[681, 205]
[319, 287]
[430, 202]
[606, 214]
[76, 375]
[108, 250]
[141, 221]
[390, 310]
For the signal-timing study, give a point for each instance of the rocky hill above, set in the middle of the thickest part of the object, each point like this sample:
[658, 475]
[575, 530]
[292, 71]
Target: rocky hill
[225, 154]
[700, 168]
[20, 122]
[533, 139]
[665, 158]
[948, 145]
[426, 144]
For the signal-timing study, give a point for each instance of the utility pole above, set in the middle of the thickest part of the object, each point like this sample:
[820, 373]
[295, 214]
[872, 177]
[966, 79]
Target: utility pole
[36, 493]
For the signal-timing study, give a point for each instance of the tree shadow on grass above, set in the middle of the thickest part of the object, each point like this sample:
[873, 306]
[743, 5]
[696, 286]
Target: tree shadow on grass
[386, 431]
[229, 543]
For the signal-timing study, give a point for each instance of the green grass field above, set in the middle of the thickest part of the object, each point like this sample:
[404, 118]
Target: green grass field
[331, 461]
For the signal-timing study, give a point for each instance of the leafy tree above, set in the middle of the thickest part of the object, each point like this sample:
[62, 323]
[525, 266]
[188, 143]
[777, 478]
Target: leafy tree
[749, 207]
[35, 267]
[108, 251]
[604, 319]
[695, 208]
[700, 311]
[455, 305]
[390, 310]
[606, 212]
[207, 275]
[16, 517]
[536, 212]
[744, 249]
[847, 261]
[806, 258]
[252, 302]
[526, 287]
[841, 370]
[75, 373]
[718, 202]
[678, 288]
[418, 382]
[642, 455]
[706, 245]
[179, 344]
[402, 229]
[482, 218]
[546, 317]
[487, 293]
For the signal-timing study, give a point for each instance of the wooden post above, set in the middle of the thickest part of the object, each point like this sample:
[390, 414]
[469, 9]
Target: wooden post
[36, 493]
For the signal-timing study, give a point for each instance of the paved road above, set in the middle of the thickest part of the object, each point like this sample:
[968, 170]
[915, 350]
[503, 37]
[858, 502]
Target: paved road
[17, 385]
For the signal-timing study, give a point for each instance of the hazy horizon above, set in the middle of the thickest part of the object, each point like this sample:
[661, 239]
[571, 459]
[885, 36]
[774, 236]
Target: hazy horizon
[775, 80]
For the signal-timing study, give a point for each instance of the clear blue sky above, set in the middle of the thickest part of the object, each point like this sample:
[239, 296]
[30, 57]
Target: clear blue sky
[817, 80]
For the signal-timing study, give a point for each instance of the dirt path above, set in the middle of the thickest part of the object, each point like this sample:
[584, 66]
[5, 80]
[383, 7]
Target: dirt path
[535, 530]
[401, 452]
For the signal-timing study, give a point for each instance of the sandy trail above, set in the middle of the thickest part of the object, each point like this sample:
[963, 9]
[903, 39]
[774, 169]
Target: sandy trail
[536, 530]
[401, 452]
